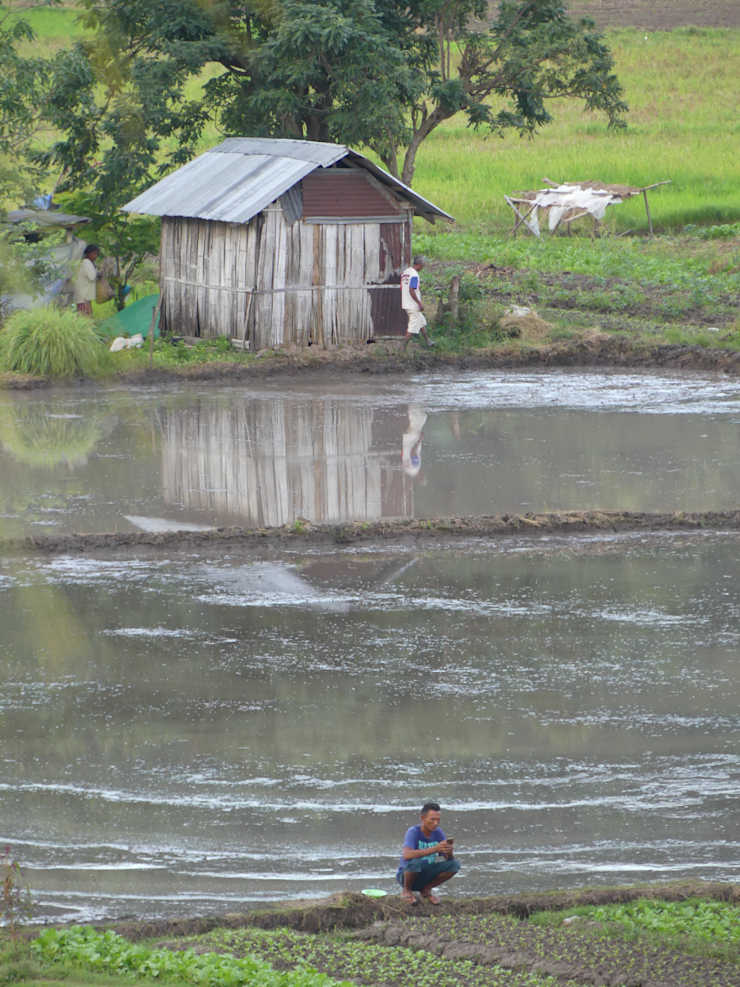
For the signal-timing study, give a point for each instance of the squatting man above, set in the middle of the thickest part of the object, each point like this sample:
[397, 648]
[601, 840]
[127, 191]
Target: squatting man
[428, 858]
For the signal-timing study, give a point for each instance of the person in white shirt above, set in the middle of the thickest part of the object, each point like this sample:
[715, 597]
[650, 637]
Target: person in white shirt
[87, 280]
[411, 301]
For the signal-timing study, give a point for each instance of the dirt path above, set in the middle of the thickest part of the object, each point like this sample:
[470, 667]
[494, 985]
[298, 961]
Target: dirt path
[659, 15]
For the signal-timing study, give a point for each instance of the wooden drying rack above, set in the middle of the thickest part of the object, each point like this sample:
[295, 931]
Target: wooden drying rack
[524, 199]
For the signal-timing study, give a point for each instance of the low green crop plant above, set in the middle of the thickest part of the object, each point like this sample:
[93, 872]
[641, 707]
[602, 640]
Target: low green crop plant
[50, 342]
[694, 918]
[720, 232]
[109, 952]
[695, 927]
[372, 964]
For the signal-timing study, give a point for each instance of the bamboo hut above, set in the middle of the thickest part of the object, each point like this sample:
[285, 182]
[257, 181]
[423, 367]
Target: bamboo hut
[283, 241]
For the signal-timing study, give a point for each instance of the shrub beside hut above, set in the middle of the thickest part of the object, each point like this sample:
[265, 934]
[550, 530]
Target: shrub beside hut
[283, 241]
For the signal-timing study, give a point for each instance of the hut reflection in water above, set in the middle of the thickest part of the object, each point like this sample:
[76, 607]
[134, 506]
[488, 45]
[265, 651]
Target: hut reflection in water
[270, 463]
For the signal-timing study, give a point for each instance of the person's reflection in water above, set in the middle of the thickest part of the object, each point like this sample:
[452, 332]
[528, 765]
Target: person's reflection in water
[412, 438]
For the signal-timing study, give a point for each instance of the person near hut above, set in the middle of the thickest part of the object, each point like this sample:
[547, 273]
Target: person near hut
[86, 281]
[428, 858]
[411, 301]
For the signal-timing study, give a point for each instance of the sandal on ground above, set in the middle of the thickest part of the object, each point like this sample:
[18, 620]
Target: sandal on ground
[431, 898]
[409, 897]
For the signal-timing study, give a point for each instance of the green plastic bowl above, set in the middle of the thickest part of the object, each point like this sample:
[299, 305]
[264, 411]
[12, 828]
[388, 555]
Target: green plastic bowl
[374, 893]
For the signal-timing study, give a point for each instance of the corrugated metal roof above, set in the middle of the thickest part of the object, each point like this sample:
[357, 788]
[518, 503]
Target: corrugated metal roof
[292, 203]
[236, 180]
[319, 153]
[227, 186]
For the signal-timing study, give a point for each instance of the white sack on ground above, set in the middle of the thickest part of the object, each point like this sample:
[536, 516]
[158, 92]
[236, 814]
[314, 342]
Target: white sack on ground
[121, 343]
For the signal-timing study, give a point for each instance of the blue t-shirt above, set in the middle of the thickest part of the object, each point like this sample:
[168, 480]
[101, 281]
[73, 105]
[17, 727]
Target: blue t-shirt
[416, 840]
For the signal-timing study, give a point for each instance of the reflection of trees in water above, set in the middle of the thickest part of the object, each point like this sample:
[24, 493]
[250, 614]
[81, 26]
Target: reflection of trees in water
[36, 437]
[271, 461]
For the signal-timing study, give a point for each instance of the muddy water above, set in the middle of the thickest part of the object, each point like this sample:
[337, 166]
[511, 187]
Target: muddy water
[188, 735]
[477, 443]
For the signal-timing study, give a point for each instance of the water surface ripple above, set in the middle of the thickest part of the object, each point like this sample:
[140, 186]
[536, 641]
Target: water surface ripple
[189, 734]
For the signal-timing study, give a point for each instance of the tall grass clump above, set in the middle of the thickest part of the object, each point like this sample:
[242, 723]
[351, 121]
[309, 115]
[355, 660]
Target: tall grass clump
[50, 342]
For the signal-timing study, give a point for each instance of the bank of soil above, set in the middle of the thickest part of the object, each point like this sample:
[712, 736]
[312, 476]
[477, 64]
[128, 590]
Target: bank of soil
[349, 910]
[365, 532]
[588, 349]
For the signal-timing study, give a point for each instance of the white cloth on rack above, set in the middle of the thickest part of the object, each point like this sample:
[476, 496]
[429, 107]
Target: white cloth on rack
[559, 200]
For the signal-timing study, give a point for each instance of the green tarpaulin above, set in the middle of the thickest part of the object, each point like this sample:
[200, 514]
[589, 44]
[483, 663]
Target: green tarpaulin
[136, 317]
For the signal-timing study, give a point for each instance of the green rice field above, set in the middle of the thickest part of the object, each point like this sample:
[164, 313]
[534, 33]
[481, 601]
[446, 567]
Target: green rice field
[683, 89]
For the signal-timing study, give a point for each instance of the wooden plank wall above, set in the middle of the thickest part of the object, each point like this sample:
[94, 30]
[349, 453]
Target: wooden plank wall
[208, 271]
[308, 282]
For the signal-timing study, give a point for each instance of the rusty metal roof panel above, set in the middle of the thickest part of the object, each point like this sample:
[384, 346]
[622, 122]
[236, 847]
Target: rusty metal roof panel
[343, 193]
[239, 178]
[423, 207]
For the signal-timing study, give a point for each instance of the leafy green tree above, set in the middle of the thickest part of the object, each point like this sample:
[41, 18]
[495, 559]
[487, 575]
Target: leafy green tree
[24, 91]
[501, 76]
[376, 73]
[319, 69]
[325, 70]
[124, 121]
[24, 87]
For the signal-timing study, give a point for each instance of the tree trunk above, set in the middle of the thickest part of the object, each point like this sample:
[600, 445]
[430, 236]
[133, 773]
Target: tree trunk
[292, 126]
[390, 160]
[434, 119]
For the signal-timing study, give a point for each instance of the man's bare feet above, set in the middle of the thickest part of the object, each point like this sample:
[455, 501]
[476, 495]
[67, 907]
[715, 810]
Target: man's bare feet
[431, 898]
[409, 897]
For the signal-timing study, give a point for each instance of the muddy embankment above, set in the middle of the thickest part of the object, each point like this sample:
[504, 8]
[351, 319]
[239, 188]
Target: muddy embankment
[350, 910]
[366, 532]
[596, 350]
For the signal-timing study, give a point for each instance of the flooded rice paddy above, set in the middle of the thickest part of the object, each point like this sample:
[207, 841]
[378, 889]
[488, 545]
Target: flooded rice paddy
[479, 443]
[193, 733]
